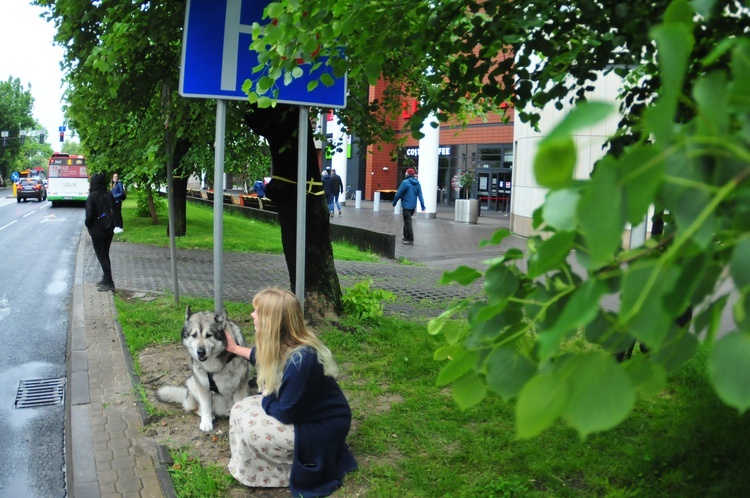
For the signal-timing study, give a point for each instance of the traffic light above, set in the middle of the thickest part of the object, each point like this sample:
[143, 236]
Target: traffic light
[41, 138]
[62, 136]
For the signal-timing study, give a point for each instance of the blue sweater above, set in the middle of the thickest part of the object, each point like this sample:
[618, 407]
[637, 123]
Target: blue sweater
[315, 404]
[409, 191]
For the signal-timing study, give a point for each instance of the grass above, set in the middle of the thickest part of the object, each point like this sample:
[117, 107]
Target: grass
[240, 234]
[412, 441]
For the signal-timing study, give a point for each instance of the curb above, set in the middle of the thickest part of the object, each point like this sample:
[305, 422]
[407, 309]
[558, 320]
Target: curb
[165, 460]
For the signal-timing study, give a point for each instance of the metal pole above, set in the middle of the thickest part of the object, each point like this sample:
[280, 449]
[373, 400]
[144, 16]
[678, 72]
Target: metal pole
[301, 205]
[172, 243]
[221, 117]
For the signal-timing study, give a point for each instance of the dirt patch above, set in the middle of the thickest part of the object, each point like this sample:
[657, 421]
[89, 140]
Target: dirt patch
[172, 427]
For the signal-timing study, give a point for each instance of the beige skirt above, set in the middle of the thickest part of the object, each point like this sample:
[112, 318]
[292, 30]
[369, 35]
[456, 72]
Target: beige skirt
[262, 447]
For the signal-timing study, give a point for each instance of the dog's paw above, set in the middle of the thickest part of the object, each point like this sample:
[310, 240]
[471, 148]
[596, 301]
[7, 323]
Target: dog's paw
[207, 425]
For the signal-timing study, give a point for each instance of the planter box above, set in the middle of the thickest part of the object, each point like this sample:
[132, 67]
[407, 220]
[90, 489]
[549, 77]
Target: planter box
[467, 210]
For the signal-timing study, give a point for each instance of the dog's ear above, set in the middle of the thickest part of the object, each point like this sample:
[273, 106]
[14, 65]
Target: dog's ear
[188, 313]
[221, 318]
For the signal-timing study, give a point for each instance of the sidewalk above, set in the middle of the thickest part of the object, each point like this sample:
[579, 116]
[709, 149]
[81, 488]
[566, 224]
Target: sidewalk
[108, 452]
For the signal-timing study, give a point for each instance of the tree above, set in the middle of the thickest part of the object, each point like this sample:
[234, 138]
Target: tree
[122, 69]
[682, 147]
[16, 104]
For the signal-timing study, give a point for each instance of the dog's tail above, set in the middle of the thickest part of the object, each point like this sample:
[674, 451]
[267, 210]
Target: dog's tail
[171, 394]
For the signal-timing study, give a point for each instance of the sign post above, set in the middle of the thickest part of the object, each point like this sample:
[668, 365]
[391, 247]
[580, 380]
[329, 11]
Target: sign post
[215, 65]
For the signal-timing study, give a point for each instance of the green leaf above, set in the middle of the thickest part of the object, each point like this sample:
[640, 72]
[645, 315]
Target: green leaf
[540, 402]
[739, 266]
[326, 79]
[675, 44]
[678, 348]
[469, 390]
[679, 11]
[559, 210]
[297, 72]
[583, 115]
[453, 332]
[601, 394]
[710, 93]
[729, 370]
[312, 85]
[555, 162]
[648, 377]
[551, 253]
[435, 325]
[462, 363]
[264, 84]
[447, 352]
[601, 215]
[497, 237]
[644, 288]
[641, 171]
[274, 10]
[264, 102]
[579, 311]
[500, 283]
[463, 275]
[603, 331]
[373, 70]
[508, 372]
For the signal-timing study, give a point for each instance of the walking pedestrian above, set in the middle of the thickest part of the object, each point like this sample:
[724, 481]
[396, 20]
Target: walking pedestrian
[293, 433]
[118, 193]
[409, 191]
[338, 188]
[325, 177]
[100, 222]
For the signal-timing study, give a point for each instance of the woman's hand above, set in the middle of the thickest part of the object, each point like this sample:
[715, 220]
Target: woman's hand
[231, 343]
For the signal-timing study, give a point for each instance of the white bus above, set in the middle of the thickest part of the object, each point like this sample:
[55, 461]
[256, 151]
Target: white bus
[67, 178]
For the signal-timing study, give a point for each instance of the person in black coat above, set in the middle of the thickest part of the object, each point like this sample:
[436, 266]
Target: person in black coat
[338, 188]
[294, 432]
[325, 178]
[100, 222]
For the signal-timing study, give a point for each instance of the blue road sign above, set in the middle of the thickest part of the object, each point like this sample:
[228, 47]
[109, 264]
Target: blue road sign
[216, 59]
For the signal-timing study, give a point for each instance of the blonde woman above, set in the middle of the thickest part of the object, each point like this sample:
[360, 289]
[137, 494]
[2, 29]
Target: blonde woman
[293, 433]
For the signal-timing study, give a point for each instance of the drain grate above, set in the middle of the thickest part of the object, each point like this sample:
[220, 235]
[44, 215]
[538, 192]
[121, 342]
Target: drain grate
[40, 392]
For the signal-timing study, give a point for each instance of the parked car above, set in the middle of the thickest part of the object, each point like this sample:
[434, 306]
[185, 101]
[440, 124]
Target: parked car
[31, 188]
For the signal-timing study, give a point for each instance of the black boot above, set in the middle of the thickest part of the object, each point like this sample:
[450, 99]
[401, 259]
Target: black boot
[106, 286]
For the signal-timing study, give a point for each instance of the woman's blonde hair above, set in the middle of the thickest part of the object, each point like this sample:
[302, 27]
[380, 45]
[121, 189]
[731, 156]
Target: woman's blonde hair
[281, 332]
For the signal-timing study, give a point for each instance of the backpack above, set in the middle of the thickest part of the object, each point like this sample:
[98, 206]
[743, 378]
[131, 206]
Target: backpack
[106, 220]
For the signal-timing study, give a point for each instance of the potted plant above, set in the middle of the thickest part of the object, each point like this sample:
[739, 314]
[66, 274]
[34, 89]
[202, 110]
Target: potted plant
[466, 209]
[466, 181]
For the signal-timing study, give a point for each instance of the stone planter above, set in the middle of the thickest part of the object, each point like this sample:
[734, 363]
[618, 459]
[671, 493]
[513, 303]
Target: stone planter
[467, 210]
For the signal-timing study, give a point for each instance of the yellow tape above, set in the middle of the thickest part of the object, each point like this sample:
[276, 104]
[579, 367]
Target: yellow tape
[310, 184]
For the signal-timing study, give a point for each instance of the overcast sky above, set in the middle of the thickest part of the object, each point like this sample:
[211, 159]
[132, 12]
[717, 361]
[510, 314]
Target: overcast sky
[27, 53]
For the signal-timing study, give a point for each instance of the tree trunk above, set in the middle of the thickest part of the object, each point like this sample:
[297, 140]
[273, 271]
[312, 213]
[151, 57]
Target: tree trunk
[179, 184]
[322, 289]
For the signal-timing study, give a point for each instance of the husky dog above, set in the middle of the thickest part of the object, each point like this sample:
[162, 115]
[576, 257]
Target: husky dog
[219, 378]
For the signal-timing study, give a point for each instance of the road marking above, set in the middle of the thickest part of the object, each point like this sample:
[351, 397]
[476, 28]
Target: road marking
[51, 218]
[9, 224]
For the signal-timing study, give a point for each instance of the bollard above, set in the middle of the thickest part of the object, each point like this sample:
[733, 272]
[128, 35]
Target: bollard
[376, 201]
[358, 199]
[397, 207]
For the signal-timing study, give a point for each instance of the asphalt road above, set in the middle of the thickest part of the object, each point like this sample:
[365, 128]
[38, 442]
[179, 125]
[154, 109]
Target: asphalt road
[37, 252]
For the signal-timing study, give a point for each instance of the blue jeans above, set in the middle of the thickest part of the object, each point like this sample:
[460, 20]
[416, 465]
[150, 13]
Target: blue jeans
[336, 200]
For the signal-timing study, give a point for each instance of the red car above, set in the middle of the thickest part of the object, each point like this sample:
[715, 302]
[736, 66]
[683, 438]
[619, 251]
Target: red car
[31, 188]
